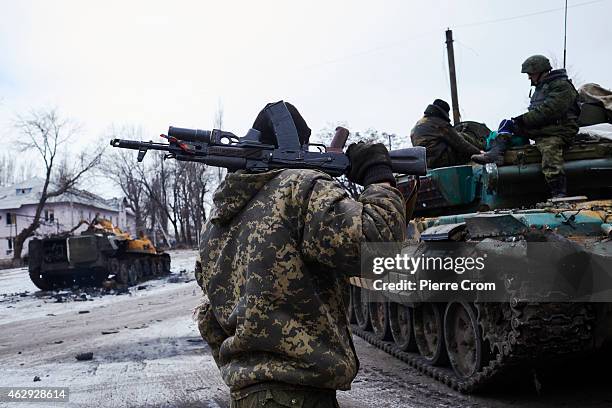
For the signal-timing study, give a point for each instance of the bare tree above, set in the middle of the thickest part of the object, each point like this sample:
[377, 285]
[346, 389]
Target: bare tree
[391, 140]
[13, 171]
[120, 167]
[218, 124]
[158, 182]
[7, 169]
[46, 133]
[193, 188]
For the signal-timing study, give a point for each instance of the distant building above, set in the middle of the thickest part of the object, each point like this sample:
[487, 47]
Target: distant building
[18, 206]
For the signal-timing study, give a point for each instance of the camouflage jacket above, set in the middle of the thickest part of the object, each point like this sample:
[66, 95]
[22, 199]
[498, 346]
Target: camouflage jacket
[445, 146]
[553, 110]
[275, 259]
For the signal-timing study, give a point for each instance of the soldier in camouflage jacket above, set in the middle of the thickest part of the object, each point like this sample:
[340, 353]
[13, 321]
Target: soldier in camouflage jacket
[276, 255]
[551, 121]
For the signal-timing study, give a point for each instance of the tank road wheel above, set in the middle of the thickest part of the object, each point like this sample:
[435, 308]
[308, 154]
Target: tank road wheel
[429, 333]
[122, 276]
[400, 322]
[41, 282]
[379, 317]
[463, 341]
[139, 267]
[157, 267]
[360, 307]
[132, 274]
[114, 267]
[147, 268]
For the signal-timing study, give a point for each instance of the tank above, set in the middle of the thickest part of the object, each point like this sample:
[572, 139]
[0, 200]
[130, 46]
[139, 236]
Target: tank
[99, 253]
[470, 344]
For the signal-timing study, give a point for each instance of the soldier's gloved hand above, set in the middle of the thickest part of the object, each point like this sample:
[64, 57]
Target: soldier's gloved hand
[370, 163]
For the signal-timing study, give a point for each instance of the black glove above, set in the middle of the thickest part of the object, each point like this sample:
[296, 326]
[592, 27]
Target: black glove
[370, 163]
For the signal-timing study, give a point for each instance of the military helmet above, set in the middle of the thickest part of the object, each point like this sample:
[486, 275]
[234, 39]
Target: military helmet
[536, 64]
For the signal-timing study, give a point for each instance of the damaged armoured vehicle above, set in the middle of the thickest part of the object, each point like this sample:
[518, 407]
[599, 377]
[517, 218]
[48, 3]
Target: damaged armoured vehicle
[100, 252]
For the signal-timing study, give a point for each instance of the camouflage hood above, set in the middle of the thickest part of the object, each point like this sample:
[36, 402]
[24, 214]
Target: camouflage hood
[235, 192]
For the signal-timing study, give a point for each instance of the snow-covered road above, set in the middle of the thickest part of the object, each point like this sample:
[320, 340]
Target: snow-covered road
[147, 352]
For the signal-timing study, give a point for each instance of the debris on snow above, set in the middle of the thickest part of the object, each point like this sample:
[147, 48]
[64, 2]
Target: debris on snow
[84, 356]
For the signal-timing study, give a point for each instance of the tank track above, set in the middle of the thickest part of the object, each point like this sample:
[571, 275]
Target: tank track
[517, 334]
[134, 269]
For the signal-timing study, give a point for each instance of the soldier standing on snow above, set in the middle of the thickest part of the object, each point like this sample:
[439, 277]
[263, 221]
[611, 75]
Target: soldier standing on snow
[275, 258]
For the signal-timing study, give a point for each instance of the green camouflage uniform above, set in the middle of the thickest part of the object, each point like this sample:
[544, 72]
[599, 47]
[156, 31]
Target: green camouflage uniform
[551, 120]
[445, 146]
[276, 254]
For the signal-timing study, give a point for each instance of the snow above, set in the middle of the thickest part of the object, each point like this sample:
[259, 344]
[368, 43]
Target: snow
[19, 300]
[146, 348]
[602, 130]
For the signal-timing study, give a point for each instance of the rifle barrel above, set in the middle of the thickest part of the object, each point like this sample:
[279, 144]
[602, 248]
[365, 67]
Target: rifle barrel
[136, 145]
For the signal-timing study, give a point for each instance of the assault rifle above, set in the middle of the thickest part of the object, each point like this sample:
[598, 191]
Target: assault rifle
[224, 149]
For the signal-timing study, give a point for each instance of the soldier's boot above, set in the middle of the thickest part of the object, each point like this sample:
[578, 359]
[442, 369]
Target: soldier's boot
[495, 153]
[558, 186]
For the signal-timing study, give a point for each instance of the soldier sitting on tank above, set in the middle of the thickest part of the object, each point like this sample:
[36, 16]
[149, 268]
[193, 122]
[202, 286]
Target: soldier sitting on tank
[445, 146]
[550, 121]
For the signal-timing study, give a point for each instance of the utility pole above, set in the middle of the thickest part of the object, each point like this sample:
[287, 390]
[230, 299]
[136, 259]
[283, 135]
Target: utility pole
[453, 75]
[565, 37]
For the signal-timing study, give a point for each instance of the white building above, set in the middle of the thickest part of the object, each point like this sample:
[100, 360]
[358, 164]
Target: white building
[18, 206]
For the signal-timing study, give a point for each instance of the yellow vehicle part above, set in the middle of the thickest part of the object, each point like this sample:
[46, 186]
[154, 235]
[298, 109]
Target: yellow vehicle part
[142, 244]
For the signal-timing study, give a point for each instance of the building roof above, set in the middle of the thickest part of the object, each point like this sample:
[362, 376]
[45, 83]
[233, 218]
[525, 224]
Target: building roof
[28, 192]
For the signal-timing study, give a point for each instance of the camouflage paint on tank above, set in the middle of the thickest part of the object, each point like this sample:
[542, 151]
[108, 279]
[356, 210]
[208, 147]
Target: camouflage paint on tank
[586, 218]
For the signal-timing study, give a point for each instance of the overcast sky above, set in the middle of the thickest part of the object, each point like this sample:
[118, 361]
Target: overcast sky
[371, 64]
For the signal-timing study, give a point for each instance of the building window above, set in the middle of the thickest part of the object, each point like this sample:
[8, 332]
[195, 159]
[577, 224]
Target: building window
[9, 249]
[49, 216]
[21, 191]
[10, 218]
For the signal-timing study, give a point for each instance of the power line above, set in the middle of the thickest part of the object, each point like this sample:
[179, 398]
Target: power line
[372, 50]
[423, 34]
[536, 13]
